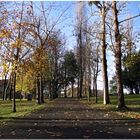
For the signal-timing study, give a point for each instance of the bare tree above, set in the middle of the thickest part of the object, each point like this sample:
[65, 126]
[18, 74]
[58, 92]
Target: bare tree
[81, 42]
[103, 9]
[118, 55]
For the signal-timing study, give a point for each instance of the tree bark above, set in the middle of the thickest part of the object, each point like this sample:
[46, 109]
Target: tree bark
[80, 65]
[38, 91]
[41, 90]
[118, 55]
[131, 90]
[72, 89]
[65, 91]
[10, 92]
[14, 91]
[104, 61]
[95, 90]
[50, 90]
[78, 85]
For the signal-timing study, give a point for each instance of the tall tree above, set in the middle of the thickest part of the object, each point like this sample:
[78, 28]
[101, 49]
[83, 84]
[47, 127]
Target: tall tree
[71, 68]
[81, 43]
[103, 9]
[118, 55]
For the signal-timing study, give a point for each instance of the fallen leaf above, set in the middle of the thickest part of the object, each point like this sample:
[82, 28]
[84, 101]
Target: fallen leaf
[75, 123]
[35, 124]
[13, 133]
[37, 130]
[29, 130]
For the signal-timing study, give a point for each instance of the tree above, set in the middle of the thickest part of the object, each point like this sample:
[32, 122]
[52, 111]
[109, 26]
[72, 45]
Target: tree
[130, 73]
[12, 36]
[113, 88]
[81, 43]
[71, 69]
[118, 55]
[55, 51]
[103, 8]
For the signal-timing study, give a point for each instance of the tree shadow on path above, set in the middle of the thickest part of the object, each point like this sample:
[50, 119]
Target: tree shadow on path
[70, 119]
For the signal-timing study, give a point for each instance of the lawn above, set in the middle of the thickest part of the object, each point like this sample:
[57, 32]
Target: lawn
[132, 102]
[23, 108]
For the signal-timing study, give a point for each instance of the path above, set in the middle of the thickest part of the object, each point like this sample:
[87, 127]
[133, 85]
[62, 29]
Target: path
[68, 118]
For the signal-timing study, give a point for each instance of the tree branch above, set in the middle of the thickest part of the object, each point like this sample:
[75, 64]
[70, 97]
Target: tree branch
[130, 18]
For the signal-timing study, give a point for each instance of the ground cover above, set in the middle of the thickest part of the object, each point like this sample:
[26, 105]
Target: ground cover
[24, 107]
[132, 102]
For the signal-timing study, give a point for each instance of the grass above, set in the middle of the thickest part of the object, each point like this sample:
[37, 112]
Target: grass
[23, 108]
[132, 102]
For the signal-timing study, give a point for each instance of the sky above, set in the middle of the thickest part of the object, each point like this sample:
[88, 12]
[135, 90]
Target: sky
[68, 21]
[133, 8]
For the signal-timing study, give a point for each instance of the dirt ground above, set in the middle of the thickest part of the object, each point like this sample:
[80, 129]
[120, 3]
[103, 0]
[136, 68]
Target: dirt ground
[70, 119]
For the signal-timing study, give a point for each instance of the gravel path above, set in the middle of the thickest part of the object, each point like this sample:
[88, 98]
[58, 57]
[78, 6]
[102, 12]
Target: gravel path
[68, 118]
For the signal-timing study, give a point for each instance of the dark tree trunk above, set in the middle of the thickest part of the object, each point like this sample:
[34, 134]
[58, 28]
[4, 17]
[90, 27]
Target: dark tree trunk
[89, 90]
[41, 90]
[38, 91]
[131, 90]
[72, 89]
[104, 61]
[136, 90]
[80, 65]
[81, 85]
[14, 92]
[10, 92]
[54, 89]
[95, 89]
[78, 85]
[50, 90]
[118, 55]
[65, 91]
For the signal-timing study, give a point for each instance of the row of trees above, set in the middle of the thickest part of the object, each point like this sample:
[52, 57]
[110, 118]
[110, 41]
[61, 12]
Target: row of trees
[31, 50]
[130, 74]
[112, 34]
[34, 58]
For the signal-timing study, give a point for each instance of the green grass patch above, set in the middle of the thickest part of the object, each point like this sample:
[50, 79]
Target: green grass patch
[23, 108]
[132, 102]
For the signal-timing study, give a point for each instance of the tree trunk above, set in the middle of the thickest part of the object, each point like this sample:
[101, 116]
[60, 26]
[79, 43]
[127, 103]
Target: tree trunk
[41, 90]
[96, 92]
[10, 92]
[38, 91]
[72, 89]
[4, 88]
[131, 90]
[14, 92]
[78, 85]
[118, 55]
[50, 90]
[93, 88]
[65, 91]
[80, 65]
[136, 90]
[104, 61]
[81, 86]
